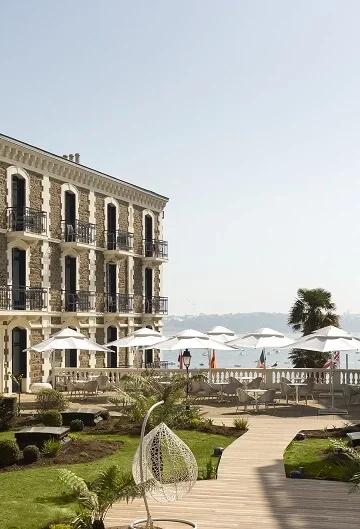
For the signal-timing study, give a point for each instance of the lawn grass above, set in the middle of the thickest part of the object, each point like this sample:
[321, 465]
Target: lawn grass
[313, 456]
[31, 498]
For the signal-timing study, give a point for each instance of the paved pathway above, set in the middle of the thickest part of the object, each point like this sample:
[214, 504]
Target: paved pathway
[252, 491]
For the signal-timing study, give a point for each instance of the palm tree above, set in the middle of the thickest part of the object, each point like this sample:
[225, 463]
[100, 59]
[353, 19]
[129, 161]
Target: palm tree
[312, 310]
[95, 498]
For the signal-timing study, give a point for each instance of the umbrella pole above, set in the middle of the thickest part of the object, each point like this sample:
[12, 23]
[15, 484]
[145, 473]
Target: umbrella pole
[332, 381]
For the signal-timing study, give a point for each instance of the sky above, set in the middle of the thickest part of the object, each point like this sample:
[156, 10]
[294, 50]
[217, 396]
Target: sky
[244, 113]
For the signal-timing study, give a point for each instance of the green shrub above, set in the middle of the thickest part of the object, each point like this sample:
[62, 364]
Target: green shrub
[51, 448]
[241, 423]
[50, 399]
[52, 418]
[31, 453]
[209, 472]
[8, 411]
[105, 414]
[76, 425]
[9, 452]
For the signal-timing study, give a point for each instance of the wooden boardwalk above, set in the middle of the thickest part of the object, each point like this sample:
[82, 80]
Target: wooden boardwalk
[252, 491]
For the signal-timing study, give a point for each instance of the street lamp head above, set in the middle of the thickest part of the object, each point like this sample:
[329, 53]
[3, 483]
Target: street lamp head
[186, 358]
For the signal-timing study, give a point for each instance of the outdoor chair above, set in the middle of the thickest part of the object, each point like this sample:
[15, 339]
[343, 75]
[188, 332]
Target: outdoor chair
[201, 388]
[255, 384]
[91, 386]
[287, 391]
[230, 388]
[308, 390]
[350, 393]
[267, 398]
[286, 380]
[244, 399]
[75, 387]
[103, 382]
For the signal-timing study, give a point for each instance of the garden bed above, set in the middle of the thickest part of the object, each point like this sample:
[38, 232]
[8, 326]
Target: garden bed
[77, 451]
[315, 455]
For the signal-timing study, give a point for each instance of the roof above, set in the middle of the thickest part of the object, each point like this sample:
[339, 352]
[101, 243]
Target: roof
[75, 164]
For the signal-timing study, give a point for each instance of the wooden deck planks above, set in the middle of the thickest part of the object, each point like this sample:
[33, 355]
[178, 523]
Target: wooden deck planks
[252, 491]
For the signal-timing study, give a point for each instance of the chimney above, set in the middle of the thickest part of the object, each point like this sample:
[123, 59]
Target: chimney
[65, 156]
[71, 157]
[77, 157]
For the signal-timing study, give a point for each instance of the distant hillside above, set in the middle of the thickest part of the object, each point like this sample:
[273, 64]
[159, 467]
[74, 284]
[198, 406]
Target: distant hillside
[243, 322]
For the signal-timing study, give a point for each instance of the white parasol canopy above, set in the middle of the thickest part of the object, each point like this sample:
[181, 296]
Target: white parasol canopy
[328, 340]
[67, 339]
[143, 337]
[261, 339]
[221, 334]
[191, 339]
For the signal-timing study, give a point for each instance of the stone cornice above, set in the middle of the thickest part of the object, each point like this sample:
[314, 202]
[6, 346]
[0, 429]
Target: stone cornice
[16, 152]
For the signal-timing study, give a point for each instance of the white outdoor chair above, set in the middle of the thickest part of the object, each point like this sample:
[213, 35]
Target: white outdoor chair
[75, 387]
[267, 398]
[91, 386]
[103, 382]
[231, 387]
[244, 399]
[287, 391]
[255, 384]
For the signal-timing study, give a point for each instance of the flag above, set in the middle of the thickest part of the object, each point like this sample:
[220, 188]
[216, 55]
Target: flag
[262, 359]
[336, 361]
[180, 360]
[213, 361]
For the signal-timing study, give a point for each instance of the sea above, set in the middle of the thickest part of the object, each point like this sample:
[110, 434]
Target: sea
[247, 358]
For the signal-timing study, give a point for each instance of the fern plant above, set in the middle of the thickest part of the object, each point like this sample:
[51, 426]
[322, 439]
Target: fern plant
[96, 498]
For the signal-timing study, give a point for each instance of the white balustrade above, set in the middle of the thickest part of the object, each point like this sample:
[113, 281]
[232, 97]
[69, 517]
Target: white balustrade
[270, 376]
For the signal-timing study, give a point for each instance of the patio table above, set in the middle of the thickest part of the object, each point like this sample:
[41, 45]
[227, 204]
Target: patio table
[256, 393]
[245, 380]
[296, 385]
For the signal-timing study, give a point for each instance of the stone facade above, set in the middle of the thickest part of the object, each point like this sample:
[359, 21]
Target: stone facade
[138, 230]
[100, 219]
[123, 217]
[3, 193]
[35, 191]
[45, 175]
[35, 266]
[83, 205]
[55, 208]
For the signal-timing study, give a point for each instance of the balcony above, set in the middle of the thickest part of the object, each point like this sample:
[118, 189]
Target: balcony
[23, 298]
[155, 305]
[155, 250]
[78, 234]
[118, 243]
[29, 225]
[78, 301]
[119, 303]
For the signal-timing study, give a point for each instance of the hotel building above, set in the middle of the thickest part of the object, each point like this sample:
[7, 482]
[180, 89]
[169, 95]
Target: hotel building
[80, 249]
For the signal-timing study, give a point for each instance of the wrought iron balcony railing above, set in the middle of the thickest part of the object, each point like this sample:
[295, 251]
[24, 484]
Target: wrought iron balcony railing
[119, 240]
[119, 303]
[155, 248]
[155, 305]
[82, 232]
[78, 300]
[23, 298]
[30, 220]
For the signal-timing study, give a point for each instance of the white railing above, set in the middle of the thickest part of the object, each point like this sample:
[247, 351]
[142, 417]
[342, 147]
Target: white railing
[270, 376]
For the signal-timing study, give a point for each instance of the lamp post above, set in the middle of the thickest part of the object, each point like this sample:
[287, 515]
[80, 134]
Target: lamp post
[187, 360]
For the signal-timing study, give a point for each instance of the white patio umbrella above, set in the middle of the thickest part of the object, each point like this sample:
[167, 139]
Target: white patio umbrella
[328, 340]
[221, 334]
[263, 338]
[143, 337]
[191, 339]
[66, 339]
